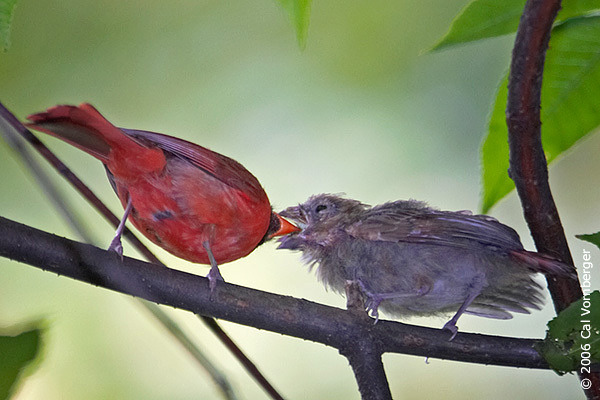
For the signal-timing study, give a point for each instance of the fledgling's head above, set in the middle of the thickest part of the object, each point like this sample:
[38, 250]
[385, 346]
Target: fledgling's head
[317, 217]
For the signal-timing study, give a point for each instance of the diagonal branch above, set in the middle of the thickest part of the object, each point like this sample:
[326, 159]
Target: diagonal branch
[283, 314]
[528, 167]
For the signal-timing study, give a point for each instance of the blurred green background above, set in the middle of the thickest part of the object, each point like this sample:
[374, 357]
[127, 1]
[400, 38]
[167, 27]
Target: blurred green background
[361, 111]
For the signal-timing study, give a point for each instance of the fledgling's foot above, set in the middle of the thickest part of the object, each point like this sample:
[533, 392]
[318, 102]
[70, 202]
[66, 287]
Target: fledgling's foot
[452, 328]
[372, 301]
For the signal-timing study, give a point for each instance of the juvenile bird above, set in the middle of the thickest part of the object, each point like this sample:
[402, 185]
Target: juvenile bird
[413, 260]
[195, 203]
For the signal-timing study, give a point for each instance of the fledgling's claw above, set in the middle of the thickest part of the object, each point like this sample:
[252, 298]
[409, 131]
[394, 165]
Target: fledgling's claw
[372, 301]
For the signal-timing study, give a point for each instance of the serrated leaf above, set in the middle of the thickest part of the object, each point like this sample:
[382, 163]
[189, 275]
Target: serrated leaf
[570, 103]
[483, 19]
[574, 334]
[593, 238]
[16, 353]
[298, 12]
[7, 9]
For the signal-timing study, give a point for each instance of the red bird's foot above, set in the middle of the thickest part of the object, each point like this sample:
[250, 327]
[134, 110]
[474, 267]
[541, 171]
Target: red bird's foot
[214, 275]
[116, 246]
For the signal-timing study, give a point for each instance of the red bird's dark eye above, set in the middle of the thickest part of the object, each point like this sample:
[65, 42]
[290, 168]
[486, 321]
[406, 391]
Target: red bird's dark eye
[320, 208]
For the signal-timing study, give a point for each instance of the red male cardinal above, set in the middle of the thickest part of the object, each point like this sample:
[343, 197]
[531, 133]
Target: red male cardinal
[196, 204]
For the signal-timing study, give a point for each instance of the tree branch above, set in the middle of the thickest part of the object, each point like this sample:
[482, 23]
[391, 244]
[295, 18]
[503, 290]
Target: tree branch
[528, 167]
[283, 314]
[364, 352]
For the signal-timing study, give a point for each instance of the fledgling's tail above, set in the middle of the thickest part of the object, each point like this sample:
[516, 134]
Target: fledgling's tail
[544, 264]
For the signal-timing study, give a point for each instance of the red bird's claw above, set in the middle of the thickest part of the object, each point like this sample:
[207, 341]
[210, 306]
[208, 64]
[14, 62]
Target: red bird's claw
[117, 247]
[214, 275]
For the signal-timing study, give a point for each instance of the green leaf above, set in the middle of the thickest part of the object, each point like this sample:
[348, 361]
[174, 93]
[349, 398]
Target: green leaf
[299, 13]
[570, 103]
[483, 19]
[494, 153]
[593, 238]
[7, 9]
[16, 353]
[573, 337]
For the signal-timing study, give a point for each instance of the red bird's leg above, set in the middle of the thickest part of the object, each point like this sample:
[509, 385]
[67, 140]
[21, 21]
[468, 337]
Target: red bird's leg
[214, 274]
[475, 287]
[115, 244]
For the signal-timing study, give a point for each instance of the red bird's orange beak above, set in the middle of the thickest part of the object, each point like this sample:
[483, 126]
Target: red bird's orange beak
[285, 227]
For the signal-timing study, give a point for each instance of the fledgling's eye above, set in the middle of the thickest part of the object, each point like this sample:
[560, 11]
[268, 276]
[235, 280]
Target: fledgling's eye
[320, 207]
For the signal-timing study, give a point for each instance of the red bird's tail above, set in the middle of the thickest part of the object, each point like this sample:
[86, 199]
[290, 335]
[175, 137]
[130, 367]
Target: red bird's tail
[85, 128]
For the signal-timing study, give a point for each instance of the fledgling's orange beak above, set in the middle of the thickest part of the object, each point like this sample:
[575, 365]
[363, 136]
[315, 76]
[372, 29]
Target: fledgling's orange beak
[285, 227]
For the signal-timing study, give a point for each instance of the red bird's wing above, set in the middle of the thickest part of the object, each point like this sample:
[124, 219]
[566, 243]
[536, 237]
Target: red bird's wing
[223, 168]
[409, 221]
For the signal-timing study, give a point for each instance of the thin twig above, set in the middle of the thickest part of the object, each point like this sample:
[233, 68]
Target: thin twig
[211, 323]
[59, 201]
[167, 322]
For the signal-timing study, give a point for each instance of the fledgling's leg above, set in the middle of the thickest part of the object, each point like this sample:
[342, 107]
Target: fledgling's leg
[115, 244]
[375, 299]
[474, 291]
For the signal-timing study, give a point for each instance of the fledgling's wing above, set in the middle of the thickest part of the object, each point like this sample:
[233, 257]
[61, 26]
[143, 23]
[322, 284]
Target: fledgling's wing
[414, 222]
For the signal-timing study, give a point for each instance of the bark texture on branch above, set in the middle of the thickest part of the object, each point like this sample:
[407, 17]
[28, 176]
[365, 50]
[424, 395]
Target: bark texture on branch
[528, 167]
[283, 314]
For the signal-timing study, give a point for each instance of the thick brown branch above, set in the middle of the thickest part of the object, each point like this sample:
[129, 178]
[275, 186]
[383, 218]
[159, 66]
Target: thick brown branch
[528, 167]
[283, 314]
[365, 359]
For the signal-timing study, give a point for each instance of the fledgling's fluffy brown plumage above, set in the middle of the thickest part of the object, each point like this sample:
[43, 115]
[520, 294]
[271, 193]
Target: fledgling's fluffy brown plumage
[411, 259]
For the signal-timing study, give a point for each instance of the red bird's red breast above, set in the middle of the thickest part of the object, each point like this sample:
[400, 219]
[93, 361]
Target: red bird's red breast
[182, 194]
